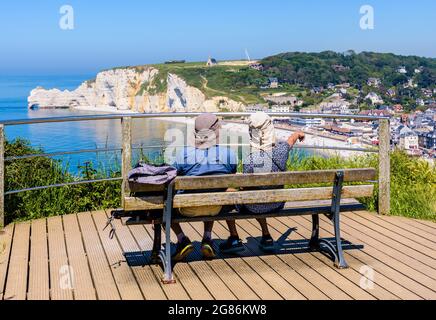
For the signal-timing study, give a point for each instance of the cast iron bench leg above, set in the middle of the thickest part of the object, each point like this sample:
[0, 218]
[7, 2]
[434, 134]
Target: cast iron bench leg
[314, 239]
[336, 204]
[340, 261]
[157, 243]
[166, 255]
[318, 244]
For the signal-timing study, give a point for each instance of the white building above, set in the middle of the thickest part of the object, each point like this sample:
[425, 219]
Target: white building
[211, 62]
[373, 82]
[335, 106]
[281, 108]
[309, 122]
[408, 139]
[402, 70]
[374, 98]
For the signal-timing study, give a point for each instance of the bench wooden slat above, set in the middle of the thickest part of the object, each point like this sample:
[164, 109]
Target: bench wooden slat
[235, 215]
[136, 187]
[268, 196]
[143, 203]
[246, 197]
[271, 179]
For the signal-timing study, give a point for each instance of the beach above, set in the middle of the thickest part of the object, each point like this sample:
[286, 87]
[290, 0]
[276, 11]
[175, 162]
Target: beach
[234, 130]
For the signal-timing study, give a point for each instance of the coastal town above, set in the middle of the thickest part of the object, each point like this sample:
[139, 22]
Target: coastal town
[326, 83]
[413, 131]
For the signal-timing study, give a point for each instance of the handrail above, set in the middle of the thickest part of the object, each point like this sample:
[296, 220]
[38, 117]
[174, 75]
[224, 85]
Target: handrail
[182, 114]
[126, 150]
[61, 153]
[72, 183]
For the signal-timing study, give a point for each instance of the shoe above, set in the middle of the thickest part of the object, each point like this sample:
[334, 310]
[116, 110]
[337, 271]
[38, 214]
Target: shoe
[232, 245]
[184, 249]
[207, 249]
[267, 244]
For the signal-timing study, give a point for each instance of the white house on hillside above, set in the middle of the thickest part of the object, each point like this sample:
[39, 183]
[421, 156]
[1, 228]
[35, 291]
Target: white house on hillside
[374, 98]
[408, 139]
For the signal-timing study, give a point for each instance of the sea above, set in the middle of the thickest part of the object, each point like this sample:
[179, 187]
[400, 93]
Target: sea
[147, 134]
[73, 136]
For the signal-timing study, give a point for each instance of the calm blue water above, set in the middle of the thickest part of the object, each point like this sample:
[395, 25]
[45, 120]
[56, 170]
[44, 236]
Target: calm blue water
[66, 136]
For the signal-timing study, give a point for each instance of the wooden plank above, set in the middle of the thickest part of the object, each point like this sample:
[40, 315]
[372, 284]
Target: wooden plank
[423, 265]
[299, 264]
[357, 259]
[347, 280]
[420, 224]
[139, 187]
[188, 285]
[172, 291]
[216, 288]
[403, 225]
[294, 277]
[126, 154]
[2, 176]
[266, 196]
[423, 253]
[6, 236]
[83, 283]
[143, 203]
[105, 286]
[38, 265]
[148, 282]
[428, 223]
[246, 197]
[271, 179]
[384, 168]
[241, 267]
[124, 278]
[61, 277]
[393, 269]
[238, 288]
[16, 285]
[214, 284]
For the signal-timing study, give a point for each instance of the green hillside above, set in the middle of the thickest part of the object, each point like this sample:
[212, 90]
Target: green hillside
[299, 72]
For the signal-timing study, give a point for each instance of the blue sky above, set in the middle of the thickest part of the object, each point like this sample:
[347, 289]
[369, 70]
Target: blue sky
[131, 32]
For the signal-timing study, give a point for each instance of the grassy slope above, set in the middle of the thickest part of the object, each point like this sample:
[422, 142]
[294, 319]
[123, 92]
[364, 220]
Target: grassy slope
[237, 82]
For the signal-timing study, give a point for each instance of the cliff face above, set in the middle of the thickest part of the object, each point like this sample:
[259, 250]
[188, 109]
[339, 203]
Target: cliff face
[130, 89]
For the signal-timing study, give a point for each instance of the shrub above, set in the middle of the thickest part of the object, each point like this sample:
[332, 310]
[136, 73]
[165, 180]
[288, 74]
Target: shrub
[40, 171]
[413, 181]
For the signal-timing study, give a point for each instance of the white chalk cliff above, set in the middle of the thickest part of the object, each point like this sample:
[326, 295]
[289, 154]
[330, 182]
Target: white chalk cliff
[133, 89]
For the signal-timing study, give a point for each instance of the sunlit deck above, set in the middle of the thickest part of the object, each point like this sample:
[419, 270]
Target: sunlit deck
[398, 254]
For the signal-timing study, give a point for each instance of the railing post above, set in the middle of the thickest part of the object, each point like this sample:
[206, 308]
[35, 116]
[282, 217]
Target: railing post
[2, 176]
[126, 154]
[384, 197]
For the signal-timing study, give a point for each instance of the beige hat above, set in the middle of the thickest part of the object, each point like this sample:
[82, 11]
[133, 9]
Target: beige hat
[207, 126]
[262, 132]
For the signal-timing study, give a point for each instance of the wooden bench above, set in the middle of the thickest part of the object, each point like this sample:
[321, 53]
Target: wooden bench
[144, 204]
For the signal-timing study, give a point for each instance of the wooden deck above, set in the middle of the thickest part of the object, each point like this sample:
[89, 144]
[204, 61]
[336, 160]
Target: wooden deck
[70, 257]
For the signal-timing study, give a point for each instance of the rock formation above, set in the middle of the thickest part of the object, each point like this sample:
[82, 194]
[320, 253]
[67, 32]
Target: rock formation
[141, 89]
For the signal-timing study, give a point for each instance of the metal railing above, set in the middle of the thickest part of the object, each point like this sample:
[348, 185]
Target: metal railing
[126, 148]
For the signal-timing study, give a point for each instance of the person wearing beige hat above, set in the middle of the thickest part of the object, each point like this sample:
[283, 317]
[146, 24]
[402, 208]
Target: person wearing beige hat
[205, 158]
[267, 155]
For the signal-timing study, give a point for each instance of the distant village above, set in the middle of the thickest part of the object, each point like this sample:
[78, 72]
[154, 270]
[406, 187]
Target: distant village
[414, 132]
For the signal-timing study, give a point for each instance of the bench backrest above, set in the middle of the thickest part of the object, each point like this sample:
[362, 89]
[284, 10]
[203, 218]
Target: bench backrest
[147, 202]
